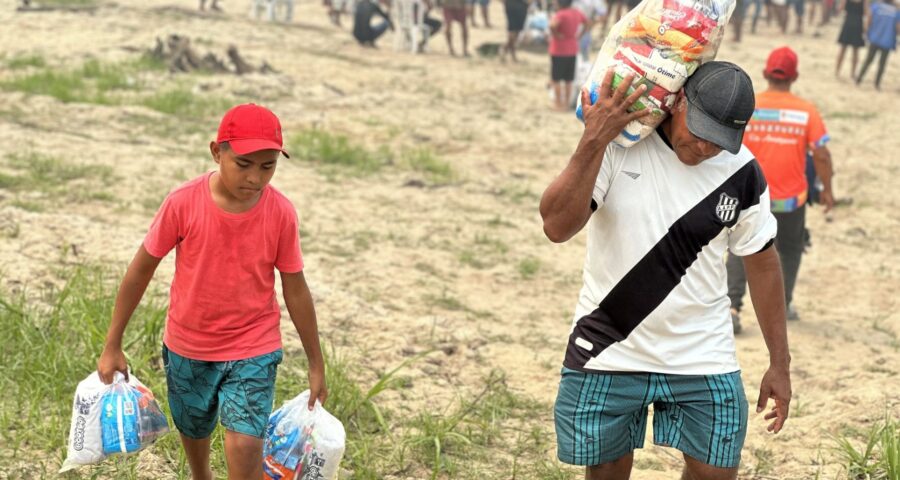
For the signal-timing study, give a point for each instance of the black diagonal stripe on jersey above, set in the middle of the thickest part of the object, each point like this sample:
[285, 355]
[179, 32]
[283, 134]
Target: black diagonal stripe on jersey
[651, 280]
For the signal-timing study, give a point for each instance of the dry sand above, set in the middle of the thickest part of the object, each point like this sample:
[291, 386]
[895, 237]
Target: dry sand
[390, 265]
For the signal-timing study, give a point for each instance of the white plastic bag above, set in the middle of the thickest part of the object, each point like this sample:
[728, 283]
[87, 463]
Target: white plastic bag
[122, 417]
[302, 444]
[662, 42]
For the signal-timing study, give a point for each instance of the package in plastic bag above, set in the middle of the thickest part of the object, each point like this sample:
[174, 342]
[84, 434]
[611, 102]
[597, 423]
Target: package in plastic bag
[302, 444]
[120, 418]
[661, 43]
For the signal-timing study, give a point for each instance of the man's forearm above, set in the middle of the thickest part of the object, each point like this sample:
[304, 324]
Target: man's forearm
[566, 202]
[767, 294]
[822, 164]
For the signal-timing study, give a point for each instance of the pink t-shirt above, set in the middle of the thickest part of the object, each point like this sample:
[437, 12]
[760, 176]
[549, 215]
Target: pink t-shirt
[222, 303]
[568, 20]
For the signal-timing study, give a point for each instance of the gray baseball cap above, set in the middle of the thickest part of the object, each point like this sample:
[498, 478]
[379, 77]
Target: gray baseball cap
[720, 102]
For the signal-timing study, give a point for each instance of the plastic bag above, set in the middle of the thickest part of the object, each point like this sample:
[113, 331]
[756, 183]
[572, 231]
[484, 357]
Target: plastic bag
[662, 43]
[123, 417]
[302, 444]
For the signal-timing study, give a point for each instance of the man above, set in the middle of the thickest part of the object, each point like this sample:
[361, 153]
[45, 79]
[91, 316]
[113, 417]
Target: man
[363, 30]
[651, 325]
[783, 129]
[455, 11]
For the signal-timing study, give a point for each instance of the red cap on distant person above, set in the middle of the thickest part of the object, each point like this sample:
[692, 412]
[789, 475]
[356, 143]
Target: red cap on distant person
[782, 64]
[250, 128]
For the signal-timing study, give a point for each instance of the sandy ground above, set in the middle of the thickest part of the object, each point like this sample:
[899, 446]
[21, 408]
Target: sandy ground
[391, 265]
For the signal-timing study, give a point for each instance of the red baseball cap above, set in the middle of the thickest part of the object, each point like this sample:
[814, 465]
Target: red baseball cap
[782, 64]
[250, 128]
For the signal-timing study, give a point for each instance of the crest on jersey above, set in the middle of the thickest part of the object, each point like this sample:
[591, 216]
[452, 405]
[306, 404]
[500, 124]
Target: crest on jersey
[727, 208]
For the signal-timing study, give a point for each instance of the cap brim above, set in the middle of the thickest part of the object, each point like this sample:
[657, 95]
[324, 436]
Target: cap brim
[250, 145]
[709, 129]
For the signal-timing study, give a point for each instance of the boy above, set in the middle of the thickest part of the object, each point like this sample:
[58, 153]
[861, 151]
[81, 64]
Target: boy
[222, 343]
[563, 50]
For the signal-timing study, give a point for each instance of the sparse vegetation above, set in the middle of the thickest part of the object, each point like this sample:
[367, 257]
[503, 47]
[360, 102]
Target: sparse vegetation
[335, 150]
[53, 179]
[41, 372]
[878, 456]
[425, 161]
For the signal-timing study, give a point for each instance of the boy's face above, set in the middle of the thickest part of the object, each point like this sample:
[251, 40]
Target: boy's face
[244, 176]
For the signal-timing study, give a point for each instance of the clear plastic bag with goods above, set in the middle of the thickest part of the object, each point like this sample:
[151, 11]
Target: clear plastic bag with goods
[302, 444]
[661, 42]
[120, 418]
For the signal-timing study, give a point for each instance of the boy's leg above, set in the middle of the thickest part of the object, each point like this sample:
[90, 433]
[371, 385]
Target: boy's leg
[246, 397]
[696, 470]
[465, 39]
[854, 61]
[193, 401]
[870, 55]
[197, 453]
[243, 455]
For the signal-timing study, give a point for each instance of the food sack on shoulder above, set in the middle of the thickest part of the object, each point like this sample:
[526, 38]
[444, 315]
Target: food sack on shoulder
[120, 418]
[661, 43]
[302, 444]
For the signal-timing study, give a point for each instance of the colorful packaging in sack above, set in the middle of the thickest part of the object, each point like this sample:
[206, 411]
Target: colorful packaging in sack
[302, 444]
[122, 417]
[119, 422]
[661, 43]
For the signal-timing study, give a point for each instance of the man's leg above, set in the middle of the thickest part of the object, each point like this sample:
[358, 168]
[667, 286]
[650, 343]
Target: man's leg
[882, 62]
[869, 57]
[448, 34]
[465, 39]
[790, 243]
[616, 470]
[243, 454]
[697, 470]
[197, 453]
[737, 281]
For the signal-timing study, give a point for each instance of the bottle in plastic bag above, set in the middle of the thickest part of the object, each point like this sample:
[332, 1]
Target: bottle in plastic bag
[302, 444]
[661, 43]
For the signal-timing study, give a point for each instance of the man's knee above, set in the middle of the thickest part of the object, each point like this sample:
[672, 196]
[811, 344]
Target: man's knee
[619, 469]
[696, 470]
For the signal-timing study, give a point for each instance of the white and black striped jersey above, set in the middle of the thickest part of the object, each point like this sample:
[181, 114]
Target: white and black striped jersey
[655, 296]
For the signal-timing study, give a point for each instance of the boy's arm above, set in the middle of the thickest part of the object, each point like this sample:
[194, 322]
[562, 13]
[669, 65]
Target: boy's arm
[767, 293]
[137, 277]
[300, 306]
[822, 163]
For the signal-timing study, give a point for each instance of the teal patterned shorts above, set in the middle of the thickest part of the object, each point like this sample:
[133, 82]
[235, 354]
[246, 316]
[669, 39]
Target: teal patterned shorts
[602, 416]
[240, 391]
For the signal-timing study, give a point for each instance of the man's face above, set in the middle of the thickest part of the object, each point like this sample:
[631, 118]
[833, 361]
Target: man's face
[689, 149]
[244, 176]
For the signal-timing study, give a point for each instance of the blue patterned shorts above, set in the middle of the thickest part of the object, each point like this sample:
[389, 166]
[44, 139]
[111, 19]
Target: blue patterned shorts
[241, 392]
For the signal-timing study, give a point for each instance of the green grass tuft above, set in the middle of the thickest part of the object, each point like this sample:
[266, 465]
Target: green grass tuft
[24, 61]
[424, 161]
[879, 454]
[338, 151]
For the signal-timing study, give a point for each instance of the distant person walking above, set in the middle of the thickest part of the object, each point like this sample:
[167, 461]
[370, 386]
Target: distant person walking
[783, 128]
[214, 5]
[851, 34]
[883, 21]
[564, 30]
[595, 12]
[455, 11]
[484, 4]
[516, 13]
[363, 30]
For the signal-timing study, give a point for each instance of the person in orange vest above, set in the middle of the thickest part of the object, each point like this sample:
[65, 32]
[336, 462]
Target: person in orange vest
[784, 127]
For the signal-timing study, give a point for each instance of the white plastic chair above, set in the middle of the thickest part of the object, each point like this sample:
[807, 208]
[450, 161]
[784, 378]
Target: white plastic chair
[410, 30]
